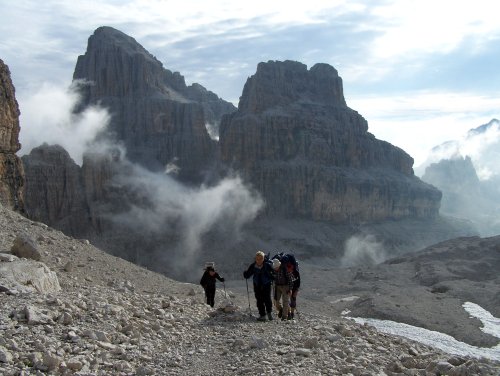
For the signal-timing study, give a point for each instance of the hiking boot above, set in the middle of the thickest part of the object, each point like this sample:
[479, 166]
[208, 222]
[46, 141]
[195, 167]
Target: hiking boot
[270, 316]
[261, 318]
[291, 316]
[280, 312]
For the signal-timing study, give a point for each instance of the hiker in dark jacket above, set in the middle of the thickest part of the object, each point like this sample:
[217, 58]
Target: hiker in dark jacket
[262, 273]
[208, 281]
[283, 288]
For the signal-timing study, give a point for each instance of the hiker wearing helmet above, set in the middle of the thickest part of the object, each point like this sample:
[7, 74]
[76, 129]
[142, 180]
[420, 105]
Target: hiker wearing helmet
[283, 288]
[208, 281]
[262, 273]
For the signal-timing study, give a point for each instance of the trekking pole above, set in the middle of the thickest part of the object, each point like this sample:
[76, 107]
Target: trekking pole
[224, 284]
[248, 295]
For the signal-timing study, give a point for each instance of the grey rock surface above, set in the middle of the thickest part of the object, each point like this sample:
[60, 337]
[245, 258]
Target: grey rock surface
[113, 317]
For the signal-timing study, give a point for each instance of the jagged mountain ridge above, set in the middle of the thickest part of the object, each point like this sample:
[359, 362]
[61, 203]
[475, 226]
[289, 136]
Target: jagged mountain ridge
[293, 138]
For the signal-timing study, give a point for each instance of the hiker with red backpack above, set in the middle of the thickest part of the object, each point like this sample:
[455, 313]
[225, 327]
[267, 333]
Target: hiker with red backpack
[287, 281]
[208, 281]
[283, 288]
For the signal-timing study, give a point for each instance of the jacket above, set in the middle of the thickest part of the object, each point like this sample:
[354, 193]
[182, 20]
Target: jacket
[261, 276]
[208, 281]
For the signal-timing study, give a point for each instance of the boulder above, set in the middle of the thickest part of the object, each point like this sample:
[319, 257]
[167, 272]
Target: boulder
[27, 276]
[25, 247]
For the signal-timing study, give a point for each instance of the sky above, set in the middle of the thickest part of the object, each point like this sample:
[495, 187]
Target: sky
[420, 72]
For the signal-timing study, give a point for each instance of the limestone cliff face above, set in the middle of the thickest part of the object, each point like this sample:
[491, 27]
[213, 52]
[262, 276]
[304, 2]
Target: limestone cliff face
[55, 192]
[11, 169]
[158, 118]
[311, 156]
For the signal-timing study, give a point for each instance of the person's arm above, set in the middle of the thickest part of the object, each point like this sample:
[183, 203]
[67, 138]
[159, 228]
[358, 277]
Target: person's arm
[203, 280]
[249, 272]
[219, 277]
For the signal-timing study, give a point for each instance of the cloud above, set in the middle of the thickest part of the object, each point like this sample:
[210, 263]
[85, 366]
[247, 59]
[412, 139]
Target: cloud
[361, 250]
[483, 147]
[164, 206]
[47, 117]
[418, 121]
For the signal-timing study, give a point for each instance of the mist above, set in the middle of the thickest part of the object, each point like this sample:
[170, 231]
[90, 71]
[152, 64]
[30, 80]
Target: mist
[48, 116]
[481, 144]
[467, 172]
[163, 208]
[362, 250]
[150, 209]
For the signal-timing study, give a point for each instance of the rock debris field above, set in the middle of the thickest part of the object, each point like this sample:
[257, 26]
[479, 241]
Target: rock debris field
[68, 308]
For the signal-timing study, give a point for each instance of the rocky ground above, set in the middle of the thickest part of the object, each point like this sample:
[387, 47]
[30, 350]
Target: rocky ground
[425, 289]
[105, 316]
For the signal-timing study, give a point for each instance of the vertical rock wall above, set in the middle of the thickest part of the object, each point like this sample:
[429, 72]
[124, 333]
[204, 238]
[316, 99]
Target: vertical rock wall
[11, 169]
[294, 138]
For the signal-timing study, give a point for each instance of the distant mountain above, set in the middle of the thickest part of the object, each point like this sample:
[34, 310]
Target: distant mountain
[464, 193]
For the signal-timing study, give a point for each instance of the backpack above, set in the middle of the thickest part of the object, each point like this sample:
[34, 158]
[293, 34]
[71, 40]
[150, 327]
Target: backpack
[288, 258]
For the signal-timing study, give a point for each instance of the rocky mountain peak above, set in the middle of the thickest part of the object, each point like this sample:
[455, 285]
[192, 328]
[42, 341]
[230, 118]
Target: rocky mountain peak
[119, 66]
[109, 37]
[11, 169]
[282, 83]
[155, 115]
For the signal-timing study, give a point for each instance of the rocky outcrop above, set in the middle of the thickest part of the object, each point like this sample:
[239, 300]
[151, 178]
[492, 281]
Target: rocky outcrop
[157, 117]
[55, 192]
[11, 169]
[311, 156]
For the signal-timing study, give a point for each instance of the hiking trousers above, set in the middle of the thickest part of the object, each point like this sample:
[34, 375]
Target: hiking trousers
[210, 295]
[282, 294]
[263, 297]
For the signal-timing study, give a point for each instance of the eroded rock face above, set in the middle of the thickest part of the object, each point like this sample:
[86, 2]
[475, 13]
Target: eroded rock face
[55, 192]
[310, 155]
[158, 118]
[11, 169]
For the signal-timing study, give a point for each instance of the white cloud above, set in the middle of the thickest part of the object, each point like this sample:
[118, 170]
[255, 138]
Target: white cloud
[47, 116]
[194, 211]
[362, 250]
[418, 121]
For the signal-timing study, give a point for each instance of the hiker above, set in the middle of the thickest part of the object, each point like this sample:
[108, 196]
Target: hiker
[208, 281]
[262, 273]
[283, 288]
[295, 290]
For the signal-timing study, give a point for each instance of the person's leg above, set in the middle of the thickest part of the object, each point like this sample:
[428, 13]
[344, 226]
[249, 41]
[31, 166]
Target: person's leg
[211, 296]
[293, 302]
[267, 299]
[278, 303]
[285, 301]
[259, 297]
